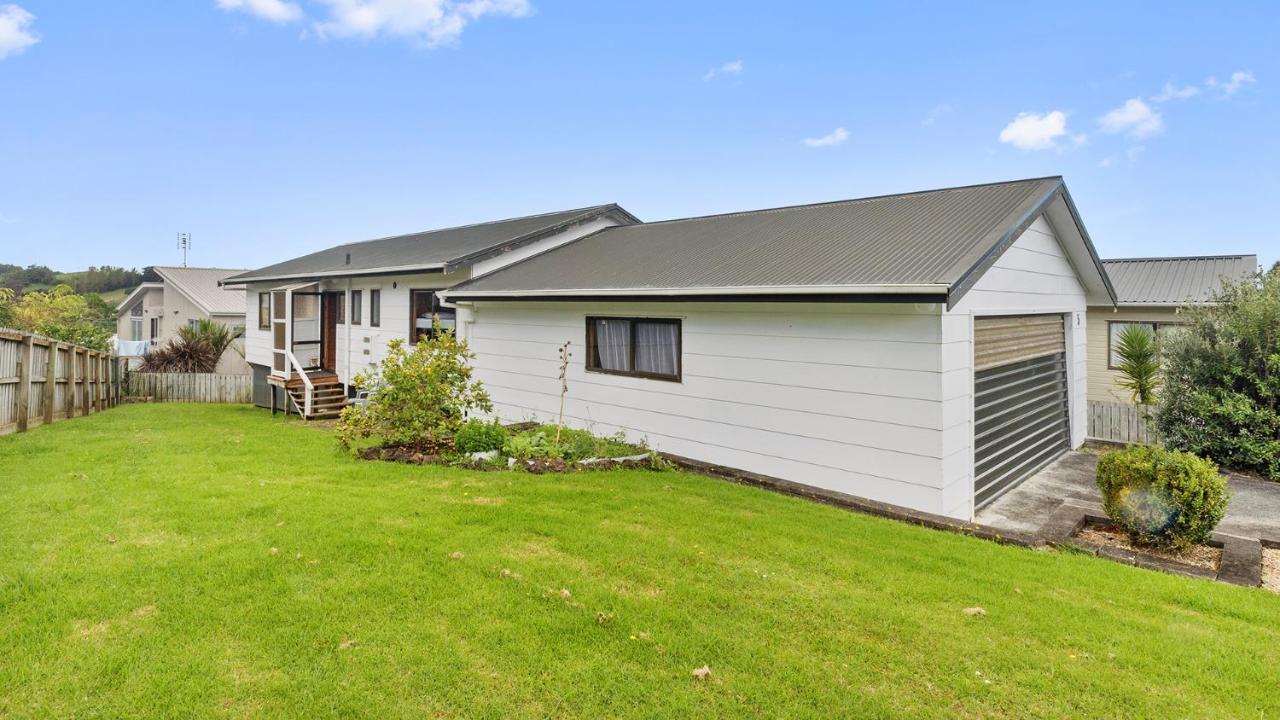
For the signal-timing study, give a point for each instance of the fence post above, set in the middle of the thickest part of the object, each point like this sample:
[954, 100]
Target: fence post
[50, 380]
[24, 382]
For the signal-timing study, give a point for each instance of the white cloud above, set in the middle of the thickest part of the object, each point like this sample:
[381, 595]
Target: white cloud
[1134, 153]
[1135, 118]
[835, 137]
[433, 22]
[1033, 131]
[936, 113]
[1238, 79]
[1170, 92]
[730, 68]
[15, 30]
[279, 11]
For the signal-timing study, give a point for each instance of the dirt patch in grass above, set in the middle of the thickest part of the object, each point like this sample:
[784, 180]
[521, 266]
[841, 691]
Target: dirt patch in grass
[1271, 568]
[1203, 556]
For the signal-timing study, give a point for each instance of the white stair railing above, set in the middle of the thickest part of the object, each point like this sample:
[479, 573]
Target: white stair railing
[306, 381]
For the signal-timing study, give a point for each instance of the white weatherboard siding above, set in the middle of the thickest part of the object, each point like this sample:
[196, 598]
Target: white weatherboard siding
[845, 396]
[1033, 276]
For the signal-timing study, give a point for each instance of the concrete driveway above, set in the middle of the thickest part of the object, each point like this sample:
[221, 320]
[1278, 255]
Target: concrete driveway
[1254, 511]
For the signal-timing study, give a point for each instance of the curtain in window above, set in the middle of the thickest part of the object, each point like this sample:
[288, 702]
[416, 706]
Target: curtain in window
[657, 348]
[613, 344]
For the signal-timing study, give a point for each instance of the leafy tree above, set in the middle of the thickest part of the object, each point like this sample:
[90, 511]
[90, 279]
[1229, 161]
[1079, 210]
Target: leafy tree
[6, 307]
[60, 314]
[1139, 363]
[1221, 395]
[419, 397]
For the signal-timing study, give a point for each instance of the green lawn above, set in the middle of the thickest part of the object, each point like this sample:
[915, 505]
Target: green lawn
[180, 561]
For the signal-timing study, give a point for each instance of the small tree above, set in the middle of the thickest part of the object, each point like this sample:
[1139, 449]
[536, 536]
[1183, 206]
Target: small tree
[1139, 363]
[60, 314]
[419, 397]
[1221, 395]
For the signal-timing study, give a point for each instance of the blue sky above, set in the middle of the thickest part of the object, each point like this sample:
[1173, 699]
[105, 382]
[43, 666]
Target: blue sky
[271, 128]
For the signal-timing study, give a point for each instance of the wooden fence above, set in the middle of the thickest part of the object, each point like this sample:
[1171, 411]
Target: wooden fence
[191, 387]
[43, 381]
[1120, 422]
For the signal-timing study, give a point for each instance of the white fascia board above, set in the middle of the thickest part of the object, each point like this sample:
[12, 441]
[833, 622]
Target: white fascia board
[128, 300]
[396, 270]
[915, 289]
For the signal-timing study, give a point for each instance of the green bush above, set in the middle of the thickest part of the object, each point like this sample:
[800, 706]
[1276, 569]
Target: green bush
[530, 445]
[419, 397]
[477, 436]
[1221, 396]
[1162, 498]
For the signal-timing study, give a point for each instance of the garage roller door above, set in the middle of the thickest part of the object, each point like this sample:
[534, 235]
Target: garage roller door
[1021, 419]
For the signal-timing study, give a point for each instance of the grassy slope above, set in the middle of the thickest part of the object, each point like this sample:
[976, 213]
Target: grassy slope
[799, 609]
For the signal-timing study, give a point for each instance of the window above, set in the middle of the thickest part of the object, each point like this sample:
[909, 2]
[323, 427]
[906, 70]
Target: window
[425, 305]
[1113, 339]
[375, 308]
[357, 311]
[194, 324]
[640, 347]
[340, 305]
[264, 311]
[135, 322]
[155, 329]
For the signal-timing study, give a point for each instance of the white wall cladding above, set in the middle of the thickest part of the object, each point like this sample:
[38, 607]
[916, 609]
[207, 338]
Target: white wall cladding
[1033, 276]
[851, 397]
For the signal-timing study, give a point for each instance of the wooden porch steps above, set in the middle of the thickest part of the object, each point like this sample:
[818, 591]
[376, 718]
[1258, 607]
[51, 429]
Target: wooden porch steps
[327, 399]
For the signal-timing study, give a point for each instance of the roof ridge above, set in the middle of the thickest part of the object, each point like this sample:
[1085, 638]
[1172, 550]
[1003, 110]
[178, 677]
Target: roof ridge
[576, 211]
[184, 267]
[845, 201]
[1176, 258]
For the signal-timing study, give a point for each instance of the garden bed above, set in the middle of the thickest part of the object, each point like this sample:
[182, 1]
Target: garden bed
[532, 448]
[1104, 534]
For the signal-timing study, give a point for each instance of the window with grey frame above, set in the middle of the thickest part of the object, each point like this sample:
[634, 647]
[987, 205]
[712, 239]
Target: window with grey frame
[1114, 327]
[375, 308]
[264, 311]
[357, 306]
[426, 309]
[635, 347]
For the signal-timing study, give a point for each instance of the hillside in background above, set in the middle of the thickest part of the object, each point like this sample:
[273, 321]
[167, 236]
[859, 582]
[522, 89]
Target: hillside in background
[108, 281]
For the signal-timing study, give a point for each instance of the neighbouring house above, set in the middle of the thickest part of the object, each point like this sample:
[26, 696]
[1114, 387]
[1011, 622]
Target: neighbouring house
[1150, 292]
[924, 349]
[153, 312]
[319, 320]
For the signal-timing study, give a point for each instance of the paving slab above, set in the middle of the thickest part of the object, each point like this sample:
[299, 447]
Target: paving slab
[1254, 512]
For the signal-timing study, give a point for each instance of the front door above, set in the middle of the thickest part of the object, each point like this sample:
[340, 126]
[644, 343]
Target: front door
[330, 314]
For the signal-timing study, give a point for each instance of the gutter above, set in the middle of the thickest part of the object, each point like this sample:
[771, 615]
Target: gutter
[403, 270]
[797, 293]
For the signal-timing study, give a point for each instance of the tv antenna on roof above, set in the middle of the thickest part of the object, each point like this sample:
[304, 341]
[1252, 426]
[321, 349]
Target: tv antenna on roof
[184, 244]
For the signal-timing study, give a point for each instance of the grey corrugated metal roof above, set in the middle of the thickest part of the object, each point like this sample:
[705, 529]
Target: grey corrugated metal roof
[422, 250]
[201, 286]
[1175, 280]
[932, 238]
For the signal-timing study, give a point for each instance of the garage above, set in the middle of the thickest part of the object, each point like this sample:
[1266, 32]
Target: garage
[1021, 400]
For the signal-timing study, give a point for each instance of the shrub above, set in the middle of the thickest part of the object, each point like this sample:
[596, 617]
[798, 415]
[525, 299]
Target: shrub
[419, 397]
[1162, 498]
[531, 445]
[1221, 397]
[194, 350]
[479, 436]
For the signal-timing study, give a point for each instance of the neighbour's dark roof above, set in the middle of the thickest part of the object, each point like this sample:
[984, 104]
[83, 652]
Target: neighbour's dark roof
[930, 241]
[442, 250]
[1175, 280]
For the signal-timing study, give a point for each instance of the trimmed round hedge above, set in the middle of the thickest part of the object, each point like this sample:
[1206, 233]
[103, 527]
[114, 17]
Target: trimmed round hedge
[1162, 498]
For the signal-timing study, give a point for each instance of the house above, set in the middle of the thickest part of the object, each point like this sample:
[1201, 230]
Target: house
[1150, 292]
[924, 349]
[153, 312]
[321, 319]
